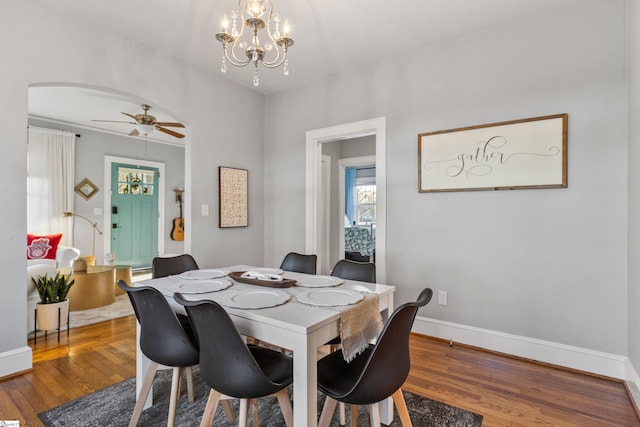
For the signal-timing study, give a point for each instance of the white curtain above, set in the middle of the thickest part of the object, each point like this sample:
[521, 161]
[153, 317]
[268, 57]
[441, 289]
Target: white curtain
[50, 177]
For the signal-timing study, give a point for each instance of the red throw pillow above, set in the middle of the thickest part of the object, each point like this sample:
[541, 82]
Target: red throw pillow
[42, 247]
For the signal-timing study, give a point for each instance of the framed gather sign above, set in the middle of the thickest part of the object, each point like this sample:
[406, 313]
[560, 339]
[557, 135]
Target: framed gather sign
[233, 196]
[518, 154]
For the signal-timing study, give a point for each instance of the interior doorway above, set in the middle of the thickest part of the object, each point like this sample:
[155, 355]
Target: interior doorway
[93, 113]
[356, 219]
[135, 214]
[315, 231]
[122, 235]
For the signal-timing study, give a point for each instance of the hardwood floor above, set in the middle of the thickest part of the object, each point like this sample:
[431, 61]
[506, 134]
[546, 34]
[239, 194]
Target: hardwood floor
[506, 390]
[509, 391]
[91, 358]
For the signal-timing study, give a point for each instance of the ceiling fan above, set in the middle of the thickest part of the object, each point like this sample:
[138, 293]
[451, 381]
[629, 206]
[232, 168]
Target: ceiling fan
[146, 123]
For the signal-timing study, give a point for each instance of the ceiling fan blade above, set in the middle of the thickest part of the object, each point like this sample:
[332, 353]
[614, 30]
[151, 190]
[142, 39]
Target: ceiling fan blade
[131, 115]
[115, 121]
[170, 124]
[134, 132]
[170, 132]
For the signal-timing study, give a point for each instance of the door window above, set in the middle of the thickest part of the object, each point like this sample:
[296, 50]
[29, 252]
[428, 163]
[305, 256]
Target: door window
[135, 181]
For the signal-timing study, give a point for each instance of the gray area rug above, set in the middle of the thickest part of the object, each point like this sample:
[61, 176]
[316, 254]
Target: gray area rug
[112, 406]
[120, 308]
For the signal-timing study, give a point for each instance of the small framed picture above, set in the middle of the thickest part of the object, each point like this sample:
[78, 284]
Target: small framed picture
[86, 189]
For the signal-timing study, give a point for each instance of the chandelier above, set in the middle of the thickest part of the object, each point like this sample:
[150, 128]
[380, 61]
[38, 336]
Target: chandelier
[271, 55]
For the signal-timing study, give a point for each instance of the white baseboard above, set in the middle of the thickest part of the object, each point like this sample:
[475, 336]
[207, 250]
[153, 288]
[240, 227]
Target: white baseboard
[16, 360]
[581, 359]
[633, 382]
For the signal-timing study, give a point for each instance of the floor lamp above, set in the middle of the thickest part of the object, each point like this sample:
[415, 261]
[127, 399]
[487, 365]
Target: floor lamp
[95, 229]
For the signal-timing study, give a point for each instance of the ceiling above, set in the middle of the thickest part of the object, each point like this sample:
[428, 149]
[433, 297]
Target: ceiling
[79, 106]
[330, 36]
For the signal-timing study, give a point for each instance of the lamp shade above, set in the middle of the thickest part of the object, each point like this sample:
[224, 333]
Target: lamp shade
[145, 129]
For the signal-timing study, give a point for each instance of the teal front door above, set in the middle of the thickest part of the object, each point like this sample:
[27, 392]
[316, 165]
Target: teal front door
[134, 214]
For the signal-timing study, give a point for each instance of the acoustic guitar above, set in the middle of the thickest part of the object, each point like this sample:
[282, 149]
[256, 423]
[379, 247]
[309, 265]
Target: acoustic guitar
[177, 232]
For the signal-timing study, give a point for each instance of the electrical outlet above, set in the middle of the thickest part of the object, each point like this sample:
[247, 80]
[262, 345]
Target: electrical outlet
[442, 297]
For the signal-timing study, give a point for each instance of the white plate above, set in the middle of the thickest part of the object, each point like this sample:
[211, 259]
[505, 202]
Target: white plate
[329, 297]
[267, 270]
[203, 274]
[319, 281]
[202, 286]
[257, 298]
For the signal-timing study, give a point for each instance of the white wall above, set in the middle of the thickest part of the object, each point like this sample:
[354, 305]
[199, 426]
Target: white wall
[40, 45]
[545, 264]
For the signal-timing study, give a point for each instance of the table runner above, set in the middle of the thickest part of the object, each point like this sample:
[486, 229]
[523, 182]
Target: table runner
[360, 324]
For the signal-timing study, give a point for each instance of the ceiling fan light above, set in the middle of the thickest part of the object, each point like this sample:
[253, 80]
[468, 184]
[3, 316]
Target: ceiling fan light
[145, 129]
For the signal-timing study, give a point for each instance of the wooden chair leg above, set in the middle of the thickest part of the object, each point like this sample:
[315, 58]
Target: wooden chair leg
[401, 407]
[327, 412]
[374, 413]
[210, 409]
[173, 397]
[189, 374]
[179, 388]
[354, 415]
[231, 417]
[244, 412]
[285, 406]
[144, 392]
[254, 412]
[343, 415]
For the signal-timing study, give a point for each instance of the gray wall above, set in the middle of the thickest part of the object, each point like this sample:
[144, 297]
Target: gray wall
[546, 264]
[634, 184]
[91, 148]
[225, 122]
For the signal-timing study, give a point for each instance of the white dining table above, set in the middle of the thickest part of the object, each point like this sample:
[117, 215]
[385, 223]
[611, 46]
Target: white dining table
[298, 327]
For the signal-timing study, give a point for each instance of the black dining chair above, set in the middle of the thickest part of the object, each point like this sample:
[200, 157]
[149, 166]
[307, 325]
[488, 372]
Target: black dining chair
[353, 270]
[375, 374]
[169, 266]
[234, 369]
[299, 263]
[166, 338]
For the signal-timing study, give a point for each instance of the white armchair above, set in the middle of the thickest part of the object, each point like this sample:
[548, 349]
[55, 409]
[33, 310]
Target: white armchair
[65, 256]
[39, 267]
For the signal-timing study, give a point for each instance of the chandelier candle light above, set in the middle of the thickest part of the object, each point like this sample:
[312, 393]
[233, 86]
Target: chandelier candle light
[276, 47]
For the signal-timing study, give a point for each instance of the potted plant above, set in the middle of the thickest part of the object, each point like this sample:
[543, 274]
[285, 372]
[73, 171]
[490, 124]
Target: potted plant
[52, 312]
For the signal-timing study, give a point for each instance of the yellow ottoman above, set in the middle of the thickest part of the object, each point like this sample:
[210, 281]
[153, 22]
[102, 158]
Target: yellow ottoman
[123, 272]
[92, 288]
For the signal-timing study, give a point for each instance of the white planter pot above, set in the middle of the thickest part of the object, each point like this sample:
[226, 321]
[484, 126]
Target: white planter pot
[48, 317]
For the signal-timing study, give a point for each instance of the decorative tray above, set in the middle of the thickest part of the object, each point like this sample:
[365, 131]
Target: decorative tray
[284, 283]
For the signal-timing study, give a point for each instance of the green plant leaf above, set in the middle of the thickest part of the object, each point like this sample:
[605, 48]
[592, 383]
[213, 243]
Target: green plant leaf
[52, 290]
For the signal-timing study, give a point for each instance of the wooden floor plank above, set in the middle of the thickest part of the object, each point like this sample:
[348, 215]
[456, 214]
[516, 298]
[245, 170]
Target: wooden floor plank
[507, 391]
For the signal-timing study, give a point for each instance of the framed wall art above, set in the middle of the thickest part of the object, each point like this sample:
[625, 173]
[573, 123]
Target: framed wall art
[233, 197]
[86, 189]
[518, 154]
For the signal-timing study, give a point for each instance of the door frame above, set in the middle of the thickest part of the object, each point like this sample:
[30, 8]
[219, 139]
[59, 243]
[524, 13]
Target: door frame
[314, 140]
[108, 161]
[325, 244]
